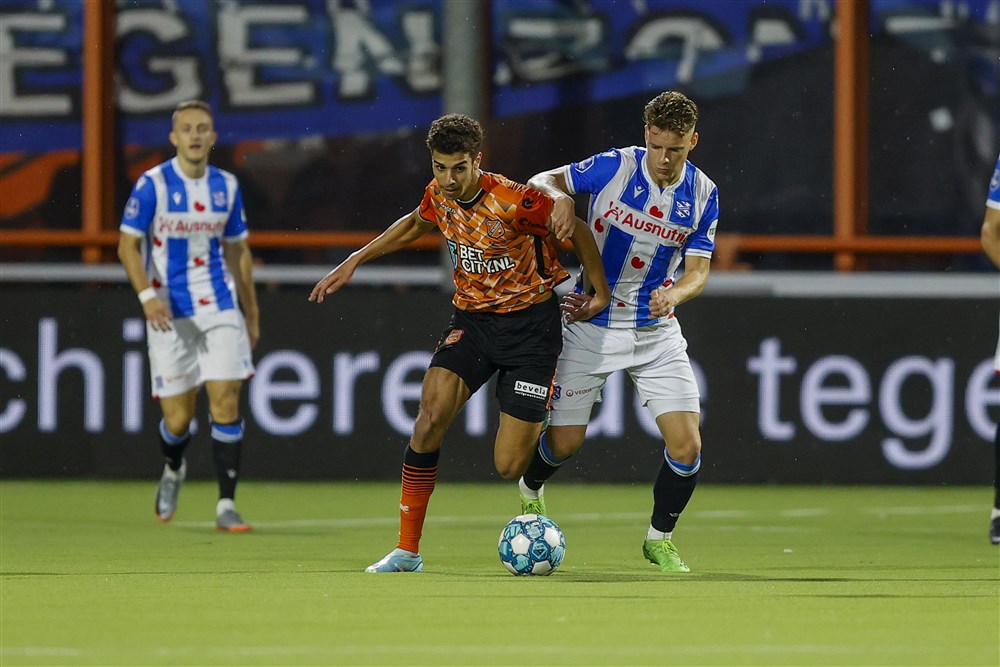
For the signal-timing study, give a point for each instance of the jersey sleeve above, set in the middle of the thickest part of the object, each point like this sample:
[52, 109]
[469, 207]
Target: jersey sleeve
[236, 225]
[592, 174]
[140, 208]
[427, 210]
[702, 242]
[993, 199]
[532, 213]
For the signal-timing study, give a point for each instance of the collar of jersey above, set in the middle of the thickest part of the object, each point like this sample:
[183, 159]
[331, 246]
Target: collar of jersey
[466, 205]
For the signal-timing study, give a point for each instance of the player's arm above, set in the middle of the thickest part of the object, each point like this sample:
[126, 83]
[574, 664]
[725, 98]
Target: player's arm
[130, 255]
[240, 263]
[690, 285]
[990, 235]
[553, 183]
[400, 234]
[584, 306]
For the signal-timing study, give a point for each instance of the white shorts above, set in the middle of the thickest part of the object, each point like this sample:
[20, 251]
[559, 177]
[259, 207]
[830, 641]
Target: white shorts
[212, 346]
[654, 356]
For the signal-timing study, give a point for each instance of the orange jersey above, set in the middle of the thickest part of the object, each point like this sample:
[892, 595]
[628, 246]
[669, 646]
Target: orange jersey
[503, 255]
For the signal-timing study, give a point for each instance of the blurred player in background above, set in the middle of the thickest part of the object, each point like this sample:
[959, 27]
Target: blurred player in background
[650, 209]
[506, 317]
[184, 247]
[990, 237]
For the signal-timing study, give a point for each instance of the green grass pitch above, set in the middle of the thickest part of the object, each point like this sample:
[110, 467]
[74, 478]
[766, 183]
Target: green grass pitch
[780, 576]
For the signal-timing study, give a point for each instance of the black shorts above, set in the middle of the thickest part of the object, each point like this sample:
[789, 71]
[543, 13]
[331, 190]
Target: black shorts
[522, 346]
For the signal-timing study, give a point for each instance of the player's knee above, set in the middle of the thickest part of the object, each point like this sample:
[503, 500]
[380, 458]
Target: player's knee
[685, 450]
[177, 424]
[511, 469]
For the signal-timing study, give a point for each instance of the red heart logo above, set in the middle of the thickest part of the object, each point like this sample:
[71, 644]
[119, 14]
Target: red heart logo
[599, 225]
[204, 302]
[198, 261]
[157, 284]
[654, 211]
[621, 305]
[638, 263]
[157, 242]
[198, 206]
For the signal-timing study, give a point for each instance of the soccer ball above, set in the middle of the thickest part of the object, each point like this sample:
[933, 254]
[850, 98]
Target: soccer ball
[531, 544]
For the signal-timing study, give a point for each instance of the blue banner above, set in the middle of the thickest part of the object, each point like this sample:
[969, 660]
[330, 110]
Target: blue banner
[299, 68]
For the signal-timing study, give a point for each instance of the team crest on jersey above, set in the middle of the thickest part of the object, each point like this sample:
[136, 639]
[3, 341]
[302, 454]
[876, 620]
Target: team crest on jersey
[682, 209]
[219, 199]
[585, 164]
[556, 393]
[494, 228]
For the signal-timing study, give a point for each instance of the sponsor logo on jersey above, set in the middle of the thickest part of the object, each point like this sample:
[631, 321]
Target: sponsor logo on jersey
[711, 231]
[472, 260]
[177, 226]
[132, 207]
[625, 217]
[533, 390]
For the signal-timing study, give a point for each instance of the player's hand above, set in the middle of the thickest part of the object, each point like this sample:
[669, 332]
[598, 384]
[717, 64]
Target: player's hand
[562, 220]
[661, 302]
[331, 282]
[579, 307]
[158, 315]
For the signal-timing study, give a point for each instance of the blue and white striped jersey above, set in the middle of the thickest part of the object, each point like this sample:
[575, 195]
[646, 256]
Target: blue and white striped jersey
[184, 222]
[993, 198]
[643, 232]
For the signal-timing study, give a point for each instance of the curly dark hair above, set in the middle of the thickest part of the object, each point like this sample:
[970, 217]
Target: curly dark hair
[671, 111]
[455, 133]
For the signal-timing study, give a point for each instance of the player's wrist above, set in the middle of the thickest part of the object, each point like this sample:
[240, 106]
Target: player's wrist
[146, 295]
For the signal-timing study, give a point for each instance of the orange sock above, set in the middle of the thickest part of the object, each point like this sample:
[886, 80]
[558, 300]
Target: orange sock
[418, 485]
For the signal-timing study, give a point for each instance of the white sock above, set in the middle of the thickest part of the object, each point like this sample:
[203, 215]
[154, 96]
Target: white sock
[654, 534]
[995, 513]
[530, 494]
[223, 505]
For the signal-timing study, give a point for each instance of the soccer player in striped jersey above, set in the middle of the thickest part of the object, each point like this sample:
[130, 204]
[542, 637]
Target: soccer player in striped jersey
[506, 319]
[650, 210]
[990, 237]
[183, 244]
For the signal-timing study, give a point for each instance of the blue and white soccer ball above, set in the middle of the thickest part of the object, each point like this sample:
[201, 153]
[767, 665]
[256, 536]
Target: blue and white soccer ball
[531, 544]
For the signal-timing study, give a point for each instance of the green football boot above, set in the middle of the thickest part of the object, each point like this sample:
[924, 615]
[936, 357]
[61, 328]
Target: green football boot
[533, 505]
[664, 554]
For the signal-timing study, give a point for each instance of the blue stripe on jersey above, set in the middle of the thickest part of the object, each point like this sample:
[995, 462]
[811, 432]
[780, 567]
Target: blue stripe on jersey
[614, 255]
[177, 278]
[223, 297]
[659, 265]
[636, 192]
[217, 190]
[176, 192]
[592, 174]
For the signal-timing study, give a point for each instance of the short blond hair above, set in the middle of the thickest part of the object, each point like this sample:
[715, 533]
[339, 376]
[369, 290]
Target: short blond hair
[190, 104]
